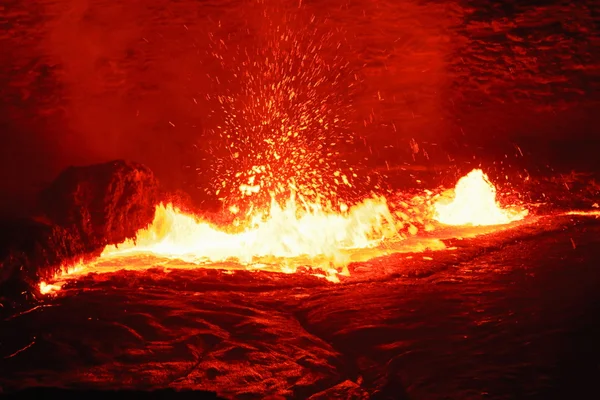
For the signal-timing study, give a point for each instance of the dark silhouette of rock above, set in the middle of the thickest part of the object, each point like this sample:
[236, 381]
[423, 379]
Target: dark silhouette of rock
[104, 203]
[84, 209]
[30, 250]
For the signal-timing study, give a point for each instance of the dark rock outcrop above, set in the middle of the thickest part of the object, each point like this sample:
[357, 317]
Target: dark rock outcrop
[103, 203]
[84, 209]
[31, 250]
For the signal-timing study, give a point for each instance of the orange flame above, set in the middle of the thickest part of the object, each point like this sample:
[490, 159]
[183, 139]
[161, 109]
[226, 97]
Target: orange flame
[281, 240]
[289, 236]
[474, 203]
[287, 232]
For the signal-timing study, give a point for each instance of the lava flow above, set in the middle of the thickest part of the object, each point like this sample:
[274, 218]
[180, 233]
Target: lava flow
[281, 122]
[287, 236]
[283, 233]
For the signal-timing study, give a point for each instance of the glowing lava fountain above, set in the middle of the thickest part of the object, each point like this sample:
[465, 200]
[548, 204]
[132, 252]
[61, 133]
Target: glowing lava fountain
[285, 237]
[474, 203]
[278, 240]
[283, 233]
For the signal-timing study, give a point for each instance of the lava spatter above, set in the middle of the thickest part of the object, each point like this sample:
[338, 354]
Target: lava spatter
[473, 202]
[280, 120]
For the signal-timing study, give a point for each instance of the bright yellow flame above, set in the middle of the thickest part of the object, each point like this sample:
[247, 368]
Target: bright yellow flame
[46, 288]
[280, 240]
[286, 233]
[291, 235]
[65, 272]
[474, 203]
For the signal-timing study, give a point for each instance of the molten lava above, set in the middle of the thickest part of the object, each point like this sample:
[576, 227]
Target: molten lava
[285, 233]
[280, 128]
[280, 240]
[474, 203]
[291, 235]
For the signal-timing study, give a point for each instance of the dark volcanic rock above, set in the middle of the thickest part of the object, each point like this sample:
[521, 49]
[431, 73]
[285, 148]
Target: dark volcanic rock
[30, 250]
[86, 208]
[103, 203]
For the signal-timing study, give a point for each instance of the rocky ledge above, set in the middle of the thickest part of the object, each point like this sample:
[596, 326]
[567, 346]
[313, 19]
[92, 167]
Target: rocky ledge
[82, 211]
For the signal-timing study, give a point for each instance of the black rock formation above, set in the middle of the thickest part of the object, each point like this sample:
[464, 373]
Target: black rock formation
[103, 203]
[84, 209]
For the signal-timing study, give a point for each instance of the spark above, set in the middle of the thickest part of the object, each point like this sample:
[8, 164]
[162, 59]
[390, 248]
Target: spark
[280, 121]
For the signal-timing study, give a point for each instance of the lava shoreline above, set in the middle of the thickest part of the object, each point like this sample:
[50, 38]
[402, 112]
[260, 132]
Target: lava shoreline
[500, 307]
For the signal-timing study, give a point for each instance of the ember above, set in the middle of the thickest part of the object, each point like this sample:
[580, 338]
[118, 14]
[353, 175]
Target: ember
[280, 112]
